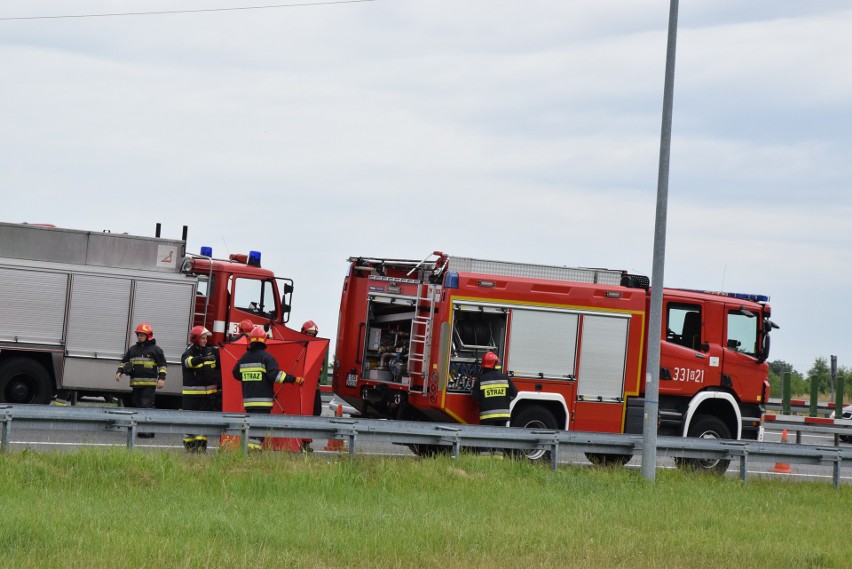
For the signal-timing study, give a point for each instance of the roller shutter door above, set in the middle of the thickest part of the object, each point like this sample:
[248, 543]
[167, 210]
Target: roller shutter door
[542, 344]
[602, 358]
[98, 317]
[32, 306]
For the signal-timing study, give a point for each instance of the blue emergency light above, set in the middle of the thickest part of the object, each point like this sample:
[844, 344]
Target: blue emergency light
[761, 298]
[207, 251]
[451, 280]
[254, 258]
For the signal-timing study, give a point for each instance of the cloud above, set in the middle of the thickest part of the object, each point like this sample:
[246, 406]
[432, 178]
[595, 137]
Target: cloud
[515, 131]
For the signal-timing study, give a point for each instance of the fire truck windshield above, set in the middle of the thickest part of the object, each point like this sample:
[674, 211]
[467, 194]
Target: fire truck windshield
[256, 297]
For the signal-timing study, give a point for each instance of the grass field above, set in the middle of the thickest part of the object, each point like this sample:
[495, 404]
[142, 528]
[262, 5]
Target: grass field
[166, 510]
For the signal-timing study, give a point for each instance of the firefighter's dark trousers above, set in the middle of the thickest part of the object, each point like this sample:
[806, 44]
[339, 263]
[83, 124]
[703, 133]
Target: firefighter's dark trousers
[143, 397]
[256, 443]
[193, 442]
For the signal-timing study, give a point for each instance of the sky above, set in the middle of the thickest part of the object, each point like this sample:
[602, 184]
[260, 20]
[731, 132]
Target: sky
[514, 130]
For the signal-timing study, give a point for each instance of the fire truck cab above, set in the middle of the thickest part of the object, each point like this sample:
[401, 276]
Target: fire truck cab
[412, 334]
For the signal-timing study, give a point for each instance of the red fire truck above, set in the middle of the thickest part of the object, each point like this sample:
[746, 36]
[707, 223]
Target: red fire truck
[411, 335]
[70, 301]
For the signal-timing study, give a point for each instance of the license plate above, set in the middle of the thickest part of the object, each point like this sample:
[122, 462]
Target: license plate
[351, 380]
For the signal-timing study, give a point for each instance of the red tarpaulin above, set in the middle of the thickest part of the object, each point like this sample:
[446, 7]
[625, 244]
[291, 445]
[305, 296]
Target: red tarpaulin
[297, 355]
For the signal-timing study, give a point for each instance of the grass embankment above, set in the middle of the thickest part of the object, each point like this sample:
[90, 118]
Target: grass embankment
[99, 509]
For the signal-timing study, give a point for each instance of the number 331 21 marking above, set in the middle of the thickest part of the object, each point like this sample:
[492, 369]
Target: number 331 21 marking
[686, 374]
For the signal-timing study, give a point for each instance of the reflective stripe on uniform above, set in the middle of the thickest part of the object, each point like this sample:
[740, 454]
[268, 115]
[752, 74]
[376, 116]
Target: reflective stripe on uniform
[495, 414]
[258, 402]
[200, 390]
[146, 382]
[252, 371]
[494, 388]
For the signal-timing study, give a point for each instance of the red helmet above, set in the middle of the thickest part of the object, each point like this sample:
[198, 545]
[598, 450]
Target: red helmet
[310, 328]
[246, 326]
[146, 329]
[258, 334]
[197, 332]
[490, 360]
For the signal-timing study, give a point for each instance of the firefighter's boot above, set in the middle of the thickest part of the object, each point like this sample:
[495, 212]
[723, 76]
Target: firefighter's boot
[189, 443]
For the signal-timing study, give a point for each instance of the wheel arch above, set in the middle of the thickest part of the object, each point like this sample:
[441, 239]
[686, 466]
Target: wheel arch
[717, 404]
[50, 361]
[37, 366]
[553, 402]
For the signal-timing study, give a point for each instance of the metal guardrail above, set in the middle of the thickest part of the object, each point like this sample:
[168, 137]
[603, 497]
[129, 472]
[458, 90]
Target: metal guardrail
[800, 406]
[841, 429]
[454, 436]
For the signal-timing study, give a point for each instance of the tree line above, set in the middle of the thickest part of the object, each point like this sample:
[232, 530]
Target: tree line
[800, 385]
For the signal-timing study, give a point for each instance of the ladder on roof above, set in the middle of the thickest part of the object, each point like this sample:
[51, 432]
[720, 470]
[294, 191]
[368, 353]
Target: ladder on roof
[420, 342]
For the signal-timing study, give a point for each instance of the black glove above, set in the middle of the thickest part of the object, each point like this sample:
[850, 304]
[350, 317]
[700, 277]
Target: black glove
[209, 358]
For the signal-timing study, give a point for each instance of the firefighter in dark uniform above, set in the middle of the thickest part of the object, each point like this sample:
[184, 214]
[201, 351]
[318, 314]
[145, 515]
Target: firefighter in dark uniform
[145, 363]
[309, 328]
[258, 371]
[245, 327]
[494, 392]
[202, 381]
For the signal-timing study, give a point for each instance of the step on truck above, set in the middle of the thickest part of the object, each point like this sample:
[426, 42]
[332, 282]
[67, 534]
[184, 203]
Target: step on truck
[70, 301]
[411, 335]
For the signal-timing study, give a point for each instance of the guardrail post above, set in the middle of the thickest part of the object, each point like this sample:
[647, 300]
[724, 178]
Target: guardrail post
[838, 401]
[131, 435]
[814, 396]
[454, 439]
[7, 432]
[352, 443]
[744, 466]
[785, 393]
[836, 472]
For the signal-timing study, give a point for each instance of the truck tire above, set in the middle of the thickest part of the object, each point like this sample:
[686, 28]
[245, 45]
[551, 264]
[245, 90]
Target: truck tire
[23, 380]
[534, 417]
[706, 427]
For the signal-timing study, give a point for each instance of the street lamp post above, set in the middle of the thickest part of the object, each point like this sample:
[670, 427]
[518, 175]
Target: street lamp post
[652, 370]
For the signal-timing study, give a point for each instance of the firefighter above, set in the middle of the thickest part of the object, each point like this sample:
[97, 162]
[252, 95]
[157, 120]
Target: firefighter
[145, 363]
[245, 327]
[202, 381]
[310, 329]
[258, 371]
[494, 392]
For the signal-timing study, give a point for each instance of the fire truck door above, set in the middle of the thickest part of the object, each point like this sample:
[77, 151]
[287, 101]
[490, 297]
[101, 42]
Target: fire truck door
[741, 351]
[691, 362]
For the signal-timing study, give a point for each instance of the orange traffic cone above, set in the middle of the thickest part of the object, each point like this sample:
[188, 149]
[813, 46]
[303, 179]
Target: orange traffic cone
[336, 445]
[783, 467]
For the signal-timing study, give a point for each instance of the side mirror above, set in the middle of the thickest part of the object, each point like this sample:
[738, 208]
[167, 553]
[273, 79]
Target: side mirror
[286, 298]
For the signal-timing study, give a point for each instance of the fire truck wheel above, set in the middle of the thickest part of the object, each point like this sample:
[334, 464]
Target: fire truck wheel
[706, 427]
[614, 460]
[534, 417]
[23, 380]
